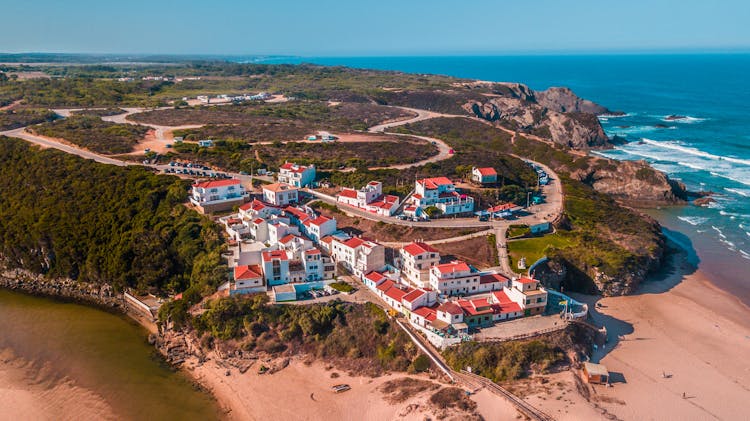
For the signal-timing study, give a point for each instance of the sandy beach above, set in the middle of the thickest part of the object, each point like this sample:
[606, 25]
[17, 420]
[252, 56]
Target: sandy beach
[33, 393]
[678, 335]
[303, 392]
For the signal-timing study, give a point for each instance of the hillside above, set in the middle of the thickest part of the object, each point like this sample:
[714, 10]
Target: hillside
[63, 216]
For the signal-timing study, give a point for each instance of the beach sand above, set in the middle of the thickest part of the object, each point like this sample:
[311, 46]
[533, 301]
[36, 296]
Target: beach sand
[303, 392]
[678, 334]
[28, 392]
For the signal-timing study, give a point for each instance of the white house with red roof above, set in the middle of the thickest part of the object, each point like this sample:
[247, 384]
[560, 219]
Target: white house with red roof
[218, 195]
[248, 279]
[417, 298]
[314, 264]
[530, 296]
[275, 267]
[294, 245]
[486, 175]
[279, 227]
[449, 314]
[373, 279]
[297, 175]
[280, 194]
[454, 278]
[441, 193]
[417, 259]
[258, 209]
[371, 198]
[489, 282]
[358, 256]
[505, 307]
[319, 227]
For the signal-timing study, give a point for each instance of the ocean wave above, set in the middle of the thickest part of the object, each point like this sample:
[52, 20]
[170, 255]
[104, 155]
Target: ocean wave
[734, 214]
[745, 254]
[693, 220]
[686, 119]
[718, 230]
[741, 192]
[693, 151]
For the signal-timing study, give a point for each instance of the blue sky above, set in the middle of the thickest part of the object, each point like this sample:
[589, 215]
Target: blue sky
[380, 27]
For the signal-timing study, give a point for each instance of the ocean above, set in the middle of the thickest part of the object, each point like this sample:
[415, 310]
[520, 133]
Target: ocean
[708, 148]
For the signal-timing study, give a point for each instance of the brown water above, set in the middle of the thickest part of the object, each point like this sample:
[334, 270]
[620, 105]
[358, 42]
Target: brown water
[101, 352]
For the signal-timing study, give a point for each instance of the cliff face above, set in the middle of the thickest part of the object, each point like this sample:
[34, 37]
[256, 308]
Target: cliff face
[634, 182]
[557, 114]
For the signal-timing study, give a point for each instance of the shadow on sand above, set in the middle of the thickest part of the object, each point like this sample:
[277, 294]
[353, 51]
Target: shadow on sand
[681, 260]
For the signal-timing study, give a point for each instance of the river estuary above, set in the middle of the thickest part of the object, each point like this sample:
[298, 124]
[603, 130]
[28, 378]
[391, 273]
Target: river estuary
[94, 353]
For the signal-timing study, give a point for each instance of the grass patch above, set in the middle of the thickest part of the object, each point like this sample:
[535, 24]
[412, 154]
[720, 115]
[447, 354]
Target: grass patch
[342, 287]
[518, 230]
[405, 388]
[13, 119]
[534, 249]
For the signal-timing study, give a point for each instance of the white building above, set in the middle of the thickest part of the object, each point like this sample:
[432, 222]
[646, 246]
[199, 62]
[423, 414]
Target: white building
[279, 227]
[486, 175]
[258, 209]
[417, 259]
[279, 194]
[248, 279]
[275, 267]
[216, 195]
[294, 246]
[528, 294]
[358, 256]
[319, 227]
[370, 198]
[297, 175]
[454, 278]
[441, 193]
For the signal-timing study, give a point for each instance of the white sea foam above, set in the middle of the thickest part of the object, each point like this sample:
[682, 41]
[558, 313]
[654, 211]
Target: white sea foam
[741, 192]
[733, 214]
[735, 169]
[693, 220]
[718, 230]
[697, 152]
[687, 119]
[745, 254]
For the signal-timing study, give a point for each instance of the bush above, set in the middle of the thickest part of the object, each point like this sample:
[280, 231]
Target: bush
[342, 287]
[421, 363]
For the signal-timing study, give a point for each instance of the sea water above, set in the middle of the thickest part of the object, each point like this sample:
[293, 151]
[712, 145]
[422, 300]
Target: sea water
[707, 148]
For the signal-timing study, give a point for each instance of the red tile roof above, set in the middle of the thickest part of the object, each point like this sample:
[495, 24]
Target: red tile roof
[450, 308]
[385, 286]
[347, 192]
[279, 187]
[502, 207]
[487, 171]
[433, 183]
[320, 220]
[426, 312]
[492, 277]
[298, 213]
[413, 295]
[287, 238]
[275, 254]
[475, 308]
[247, 272]
[290, 166]
[258, 221]
[504, 303]
[355, 242]
[375, 276]
[312, 251]
[526, 280]
[217, 183]
[396, 293]
[416, 248]
[456, 266]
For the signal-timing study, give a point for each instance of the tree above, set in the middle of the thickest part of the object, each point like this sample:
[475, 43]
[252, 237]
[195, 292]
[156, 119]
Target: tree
[433, 212]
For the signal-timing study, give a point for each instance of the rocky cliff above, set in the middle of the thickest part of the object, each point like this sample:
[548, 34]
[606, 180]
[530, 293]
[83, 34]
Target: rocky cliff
[633, 182]
[557, 114]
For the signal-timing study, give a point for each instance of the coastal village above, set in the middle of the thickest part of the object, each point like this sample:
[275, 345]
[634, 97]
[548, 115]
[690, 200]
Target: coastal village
[280, 246]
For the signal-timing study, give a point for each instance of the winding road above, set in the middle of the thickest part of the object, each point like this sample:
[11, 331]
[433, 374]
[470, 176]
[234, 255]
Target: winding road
[550, 211]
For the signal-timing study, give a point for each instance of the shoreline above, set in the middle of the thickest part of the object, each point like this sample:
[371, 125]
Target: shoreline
[679, 341]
